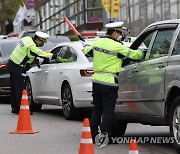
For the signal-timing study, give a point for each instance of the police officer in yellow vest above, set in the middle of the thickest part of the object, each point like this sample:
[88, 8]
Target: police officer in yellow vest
[19, 62]
[108, 54]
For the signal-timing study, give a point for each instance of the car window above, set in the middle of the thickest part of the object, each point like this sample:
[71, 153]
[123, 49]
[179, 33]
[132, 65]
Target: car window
[161, 43]
[146, 42]
[142, 43]
[56, 50]
[176, 49]
[66, 55]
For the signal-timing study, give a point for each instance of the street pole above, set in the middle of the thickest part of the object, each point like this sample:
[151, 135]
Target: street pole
[129, 12]
[110, 11]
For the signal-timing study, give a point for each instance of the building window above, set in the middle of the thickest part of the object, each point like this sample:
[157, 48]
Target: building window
[173, 11]
[157, 15]
[93, 3]
[123, 12]
[150, 13]
[94, 15]
[165, 11]
[136, 12]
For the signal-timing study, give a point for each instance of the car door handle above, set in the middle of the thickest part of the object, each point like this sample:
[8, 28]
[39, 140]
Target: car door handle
[46, 72]
[161, 65]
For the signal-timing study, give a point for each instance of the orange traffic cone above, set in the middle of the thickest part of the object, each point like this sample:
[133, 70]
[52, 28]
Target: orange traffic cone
[86, 145]
[133, 148]
[24, 120]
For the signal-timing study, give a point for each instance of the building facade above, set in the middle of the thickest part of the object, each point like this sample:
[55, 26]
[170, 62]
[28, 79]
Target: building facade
[137, 14]
[83, 14]
[90, 14]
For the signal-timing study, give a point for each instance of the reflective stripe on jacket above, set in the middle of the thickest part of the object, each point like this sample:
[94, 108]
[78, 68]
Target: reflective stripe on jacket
[26, 51]
[105, 52]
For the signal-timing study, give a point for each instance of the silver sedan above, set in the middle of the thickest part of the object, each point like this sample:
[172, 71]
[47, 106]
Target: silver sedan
[64, 81]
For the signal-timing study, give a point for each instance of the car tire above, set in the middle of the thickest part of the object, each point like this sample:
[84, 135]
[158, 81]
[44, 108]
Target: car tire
[68, 108]
[174, 123]
[32, 105]
[119, 128]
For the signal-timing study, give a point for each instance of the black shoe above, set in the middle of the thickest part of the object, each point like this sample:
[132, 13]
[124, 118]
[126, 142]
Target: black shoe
[31, 113]
[15, 111]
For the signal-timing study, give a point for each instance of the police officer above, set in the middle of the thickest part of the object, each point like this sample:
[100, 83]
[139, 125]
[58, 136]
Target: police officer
[108, 54]
[19, 62]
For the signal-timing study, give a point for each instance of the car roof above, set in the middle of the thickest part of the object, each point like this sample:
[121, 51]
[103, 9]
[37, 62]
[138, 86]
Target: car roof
[9, 40]
[165, 22]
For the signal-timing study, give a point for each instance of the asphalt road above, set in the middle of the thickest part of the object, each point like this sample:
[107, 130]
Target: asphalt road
[59, 136]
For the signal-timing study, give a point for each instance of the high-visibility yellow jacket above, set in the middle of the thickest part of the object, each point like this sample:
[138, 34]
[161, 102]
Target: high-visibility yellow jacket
[26, 51]
[106, 64]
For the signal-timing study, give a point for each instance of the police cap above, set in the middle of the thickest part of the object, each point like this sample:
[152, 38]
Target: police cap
[42, 36]
[117, 26]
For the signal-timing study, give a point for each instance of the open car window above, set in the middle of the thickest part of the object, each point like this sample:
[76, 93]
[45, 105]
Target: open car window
[66, 55]
[161, 43]
[144, 44]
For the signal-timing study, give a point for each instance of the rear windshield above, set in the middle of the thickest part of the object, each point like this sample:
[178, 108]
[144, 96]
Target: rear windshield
[7, 48]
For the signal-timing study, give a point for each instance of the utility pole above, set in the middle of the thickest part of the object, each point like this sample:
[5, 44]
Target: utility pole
[129, 13]
[110, 11]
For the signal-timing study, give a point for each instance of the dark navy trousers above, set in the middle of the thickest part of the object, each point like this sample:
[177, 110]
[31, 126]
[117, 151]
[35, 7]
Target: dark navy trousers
[104, 100]
[17, 85]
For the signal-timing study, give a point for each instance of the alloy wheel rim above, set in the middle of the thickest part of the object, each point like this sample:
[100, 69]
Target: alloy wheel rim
[176, 124]
[66, 99]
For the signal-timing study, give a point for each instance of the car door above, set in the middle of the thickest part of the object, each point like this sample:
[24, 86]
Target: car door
[145, 92]
[54, 72]
[129, 93]
[45, 79]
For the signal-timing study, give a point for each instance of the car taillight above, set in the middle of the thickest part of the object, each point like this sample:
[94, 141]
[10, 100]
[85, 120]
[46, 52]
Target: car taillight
[86, 72]
[2, 66]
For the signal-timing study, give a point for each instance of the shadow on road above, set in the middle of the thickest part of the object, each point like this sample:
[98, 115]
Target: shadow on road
[57, 111]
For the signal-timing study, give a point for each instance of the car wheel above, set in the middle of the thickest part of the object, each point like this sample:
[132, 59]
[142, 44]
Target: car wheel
[32, 105]
[119, 128]
[175, 123]
[68, 108]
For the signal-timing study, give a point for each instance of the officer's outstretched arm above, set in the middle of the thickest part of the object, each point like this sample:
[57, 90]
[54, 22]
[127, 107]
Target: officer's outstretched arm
[35, 51]
[129, 53]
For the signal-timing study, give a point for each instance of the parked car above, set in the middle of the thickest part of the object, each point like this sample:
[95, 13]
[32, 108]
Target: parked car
[149, 90]
[64, 81]
[6, 48]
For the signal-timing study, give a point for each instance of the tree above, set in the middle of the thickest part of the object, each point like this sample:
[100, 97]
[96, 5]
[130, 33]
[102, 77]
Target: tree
[8, 9]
